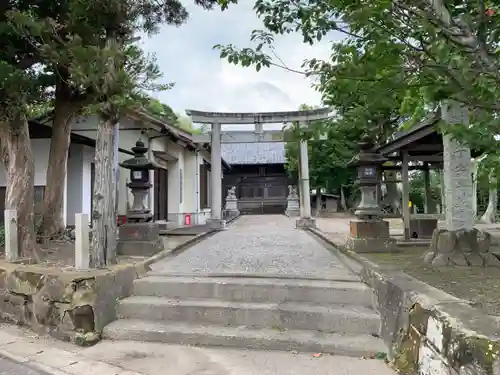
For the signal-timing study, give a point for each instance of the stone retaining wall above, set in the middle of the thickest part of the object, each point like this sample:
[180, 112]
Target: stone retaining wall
[427, 330]
[70, 305]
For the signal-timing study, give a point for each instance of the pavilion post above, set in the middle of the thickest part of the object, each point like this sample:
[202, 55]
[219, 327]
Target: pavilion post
[427, 190]
[406, 195]
[216, 221]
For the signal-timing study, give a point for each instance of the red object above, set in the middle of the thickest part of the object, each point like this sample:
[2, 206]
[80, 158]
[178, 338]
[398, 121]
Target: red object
[187, 219]
[490, 12]
[121, 219]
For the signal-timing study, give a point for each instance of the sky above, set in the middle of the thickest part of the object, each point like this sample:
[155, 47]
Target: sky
[203, 81]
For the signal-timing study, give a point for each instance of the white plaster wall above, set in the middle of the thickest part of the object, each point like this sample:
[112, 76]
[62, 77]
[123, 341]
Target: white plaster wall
[40, 149]
[175, 204]
[191, 181]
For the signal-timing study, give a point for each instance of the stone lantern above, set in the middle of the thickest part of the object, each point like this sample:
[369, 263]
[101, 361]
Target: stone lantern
[368, 233]
[139, 184]
[368, 165]
[139, 236]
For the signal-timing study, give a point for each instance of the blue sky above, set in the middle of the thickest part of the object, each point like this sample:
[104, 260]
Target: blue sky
[205, 82]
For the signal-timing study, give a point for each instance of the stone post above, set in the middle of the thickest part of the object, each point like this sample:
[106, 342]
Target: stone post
[305, 220]
[11, 241]
[458, 243]
[82, 243]
[215, 221]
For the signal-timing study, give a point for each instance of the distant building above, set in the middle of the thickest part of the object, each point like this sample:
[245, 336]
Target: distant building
[258, 172]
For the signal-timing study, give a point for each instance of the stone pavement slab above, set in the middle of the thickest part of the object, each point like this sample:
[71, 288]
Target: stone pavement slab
[264, 245]
[9, 367]
[154, 359]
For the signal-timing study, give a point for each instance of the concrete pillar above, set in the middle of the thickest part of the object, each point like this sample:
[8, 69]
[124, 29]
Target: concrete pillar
[11, 241]
[216, 221]
[405, 195]
[82, 242]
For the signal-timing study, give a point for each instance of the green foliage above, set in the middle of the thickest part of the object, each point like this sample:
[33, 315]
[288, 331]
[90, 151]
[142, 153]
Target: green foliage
[399, 60]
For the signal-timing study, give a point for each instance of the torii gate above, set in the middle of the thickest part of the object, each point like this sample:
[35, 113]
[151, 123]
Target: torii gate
[216, 138]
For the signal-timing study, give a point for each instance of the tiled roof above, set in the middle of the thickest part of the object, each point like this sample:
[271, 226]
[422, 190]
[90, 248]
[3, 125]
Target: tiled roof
[254, 153]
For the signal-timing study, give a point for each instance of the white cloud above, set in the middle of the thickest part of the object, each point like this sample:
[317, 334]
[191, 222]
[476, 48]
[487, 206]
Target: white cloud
[203, 81]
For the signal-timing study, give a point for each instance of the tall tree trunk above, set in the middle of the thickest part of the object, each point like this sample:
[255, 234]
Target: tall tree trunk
[20, 172]
[103, 247]
[52, 222]
[490, 214]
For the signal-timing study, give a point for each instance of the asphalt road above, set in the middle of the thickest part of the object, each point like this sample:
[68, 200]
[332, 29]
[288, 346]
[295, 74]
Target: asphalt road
[8, 367]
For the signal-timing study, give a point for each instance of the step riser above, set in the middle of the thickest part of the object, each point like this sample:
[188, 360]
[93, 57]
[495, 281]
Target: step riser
[257, 318]
[254, 293]
[234, 342]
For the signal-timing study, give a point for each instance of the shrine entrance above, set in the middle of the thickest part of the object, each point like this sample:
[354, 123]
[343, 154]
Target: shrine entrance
[259, 193]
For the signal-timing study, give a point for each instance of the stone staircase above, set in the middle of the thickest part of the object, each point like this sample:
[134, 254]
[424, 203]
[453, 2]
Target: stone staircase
[251, 312]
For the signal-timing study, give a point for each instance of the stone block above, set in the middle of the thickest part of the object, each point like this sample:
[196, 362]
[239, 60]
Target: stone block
[305, 223]
[139, 232]
[217, 224]
[139, 248]
[422, 228]
[369, 229]
[370, 244]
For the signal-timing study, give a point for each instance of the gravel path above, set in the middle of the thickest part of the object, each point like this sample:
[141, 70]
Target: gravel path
[8, 367]
[267, 245]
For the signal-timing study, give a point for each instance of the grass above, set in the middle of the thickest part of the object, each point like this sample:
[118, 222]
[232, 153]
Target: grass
[476, 284]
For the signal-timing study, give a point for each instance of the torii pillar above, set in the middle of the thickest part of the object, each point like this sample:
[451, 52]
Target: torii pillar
[216, 221]
[305, 221]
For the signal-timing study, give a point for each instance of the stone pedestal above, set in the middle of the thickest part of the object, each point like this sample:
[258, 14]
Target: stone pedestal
[370, 236]
[303, 223]
[139, 239]
[461, 248]
[292, 207]
[232, 206]
[217, 224]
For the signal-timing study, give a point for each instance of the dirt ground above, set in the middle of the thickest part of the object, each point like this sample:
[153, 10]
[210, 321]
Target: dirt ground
[481, 286]
[60, 253]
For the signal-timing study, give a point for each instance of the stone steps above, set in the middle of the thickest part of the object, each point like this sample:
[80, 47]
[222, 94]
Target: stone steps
[250, 289]
[242, 337]
[329, 316]
[285, 315]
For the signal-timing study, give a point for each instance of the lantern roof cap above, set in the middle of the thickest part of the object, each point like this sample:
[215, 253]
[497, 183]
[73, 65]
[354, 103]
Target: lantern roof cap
[139, 161]
[367, 154]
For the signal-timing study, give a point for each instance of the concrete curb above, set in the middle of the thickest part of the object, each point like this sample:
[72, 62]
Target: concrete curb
[53, 361]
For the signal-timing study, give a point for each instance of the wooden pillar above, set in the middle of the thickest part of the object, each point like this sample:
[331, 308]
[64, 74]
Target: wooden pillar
[406, 195]
[427, 190]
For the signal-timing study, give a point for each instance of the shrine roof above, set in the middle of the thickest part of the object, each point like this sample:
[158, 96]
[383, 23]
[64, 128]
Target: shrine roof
[254, 153]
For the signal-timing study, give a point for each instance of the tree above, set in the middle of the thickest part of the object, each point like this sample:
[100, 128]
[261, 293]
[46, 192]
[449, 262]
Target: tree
[441, 51]
[61, 36]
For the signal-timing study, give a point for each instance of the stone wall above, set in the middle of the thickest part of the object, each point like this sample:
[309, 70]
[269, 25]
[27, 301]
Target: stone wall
[69, 305]
[426, 330]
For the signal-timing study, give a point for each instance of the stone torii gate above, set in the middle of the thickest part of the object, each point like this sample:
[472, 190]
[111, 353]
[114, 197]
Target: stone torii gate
[217, 137]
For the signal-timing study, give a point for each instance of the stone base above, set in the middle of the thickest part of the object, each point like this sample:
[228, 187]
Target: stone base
[232, 213]
[370, 245]
[369, 229]
[292, 213]
[303, 223]
[217, 224]
[461, 248]
[369, 236]
[139, 239]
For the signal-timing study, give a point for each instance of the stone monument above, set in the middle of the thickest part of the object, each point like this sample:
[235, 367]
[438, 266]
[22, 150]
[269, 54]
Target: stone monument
[292, 205]
[458, 242]
[368, 233]
[140, 235]
[232, 202]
